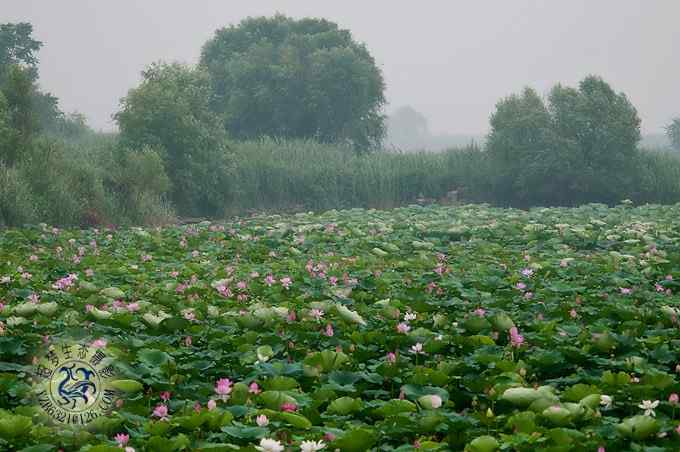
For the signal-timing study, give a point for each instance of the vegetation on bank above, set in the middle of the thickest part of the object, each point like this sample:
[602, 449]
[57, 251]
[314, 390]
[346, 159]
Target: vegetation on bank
[190, 146]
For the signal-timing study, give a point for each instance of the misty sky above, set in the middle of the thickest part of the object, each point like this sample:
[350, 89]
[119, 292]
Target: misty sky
[450, 60]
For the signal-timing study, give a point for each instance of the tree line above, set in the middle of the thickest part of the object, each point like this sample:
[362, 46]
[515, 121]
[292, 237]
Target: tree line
[190, 136]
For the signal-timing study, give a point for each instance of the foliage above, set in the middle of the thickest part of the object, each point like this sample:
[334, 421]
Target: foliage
[578, 148]
[287, 78]
[673, 132]
[17, 47]
[298, 175]
[16, 199]
[169, 111]
[466, 328]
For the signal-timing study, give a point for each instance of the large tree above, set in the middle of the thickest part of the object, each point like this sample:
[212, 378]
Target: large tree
[169, 111]
[291, 78]
[576, 148]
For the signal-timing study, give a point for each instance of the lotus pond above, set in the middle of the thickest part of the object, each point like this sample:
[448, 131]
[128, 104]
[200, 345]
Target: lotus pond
[430, 328]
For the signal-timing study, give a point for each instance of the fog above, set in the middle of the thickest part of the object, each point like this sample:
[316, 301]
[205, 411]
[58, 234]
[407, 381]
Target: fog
[451, 61]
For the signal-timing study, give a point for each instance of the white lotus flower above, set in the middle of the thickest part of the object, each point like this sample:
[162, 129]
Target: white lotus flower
[269, 445]
[311, 446]
[606, 401]
[409, 316]
[649, 406]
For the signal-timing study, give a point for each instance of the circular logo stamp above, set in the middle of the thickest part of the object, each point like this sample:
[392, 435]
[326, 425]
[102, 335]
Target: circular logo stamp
[73, 383]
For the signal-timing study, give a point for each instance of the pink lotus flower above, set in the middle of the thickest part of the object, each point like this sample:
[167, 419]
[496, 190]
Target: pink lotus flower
[417, 349]
[34, 298]
[317, 314]
[242, 285]
[573, 314]
[65, 282]
[516, 339]
[391, 358]
[269, 280]
[673, 399]
[146, 258]
[289, 407]
[122, 439]
[480, 312]
[520, 286]
[403, 328]
[161, 412]
[224, 291]
[223, 388]
[286, 282]
[527, 272]
[329, 330]
[99, 343]
[33, 258]
[188, 341]
[626, 290]
[211, 405]
[254, 388]
[328, 436]
[165, 396]
[133, 307]
[333, 281]
[262, 420]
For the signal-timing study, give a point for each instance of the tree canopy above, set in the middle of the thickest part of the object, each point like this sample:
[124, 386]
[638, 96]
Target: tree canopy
[289, 78]
[570, 150]
[169, 111]
[17, 47]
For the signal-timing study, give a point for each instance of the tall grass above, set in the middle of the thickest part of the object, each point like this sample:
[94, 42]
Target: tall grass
[658, 177]
[283, 175]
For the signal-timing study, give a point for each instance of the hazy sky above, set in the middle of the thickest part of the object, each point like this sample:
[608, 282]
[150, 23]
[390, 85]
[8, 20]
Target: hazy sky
[451, 60]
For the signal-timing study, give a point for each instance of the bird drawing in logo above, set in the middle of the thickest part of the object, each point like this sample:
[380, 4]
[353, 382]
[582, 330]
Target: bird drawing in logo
[71, 389]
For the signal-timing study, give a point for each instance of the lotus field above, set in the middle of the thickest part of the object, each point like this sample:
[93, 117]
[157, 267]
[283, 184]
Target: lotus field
[430, 328]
